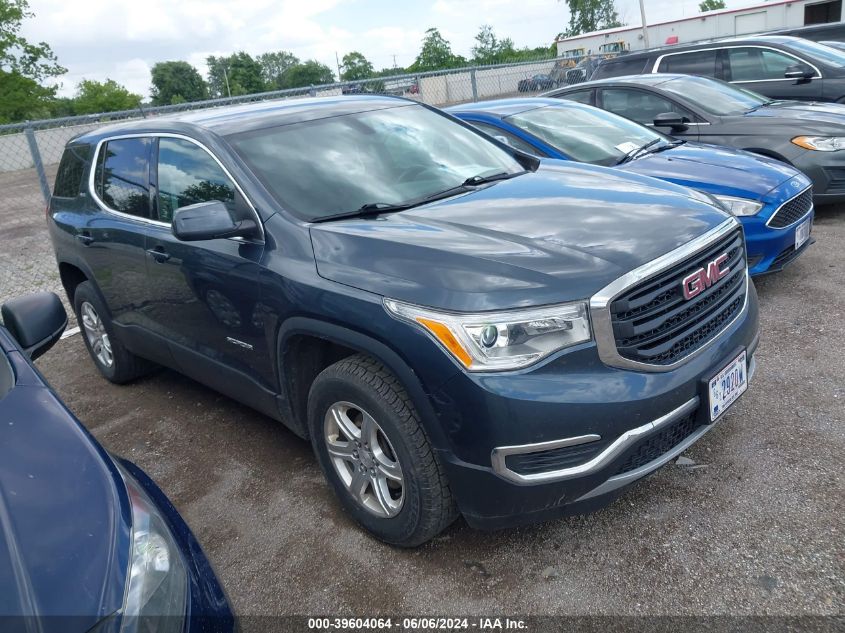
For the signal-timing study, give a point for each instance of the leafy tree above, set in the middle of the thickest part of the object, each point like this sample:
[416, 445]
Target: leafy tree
[355, 66]
[177, 82]
[711, 5]
[308, 73]
[237, 74]
[586, 16]
[436, 54]
[491, 50]
[108, 96]
[22, 98]
[274, 67]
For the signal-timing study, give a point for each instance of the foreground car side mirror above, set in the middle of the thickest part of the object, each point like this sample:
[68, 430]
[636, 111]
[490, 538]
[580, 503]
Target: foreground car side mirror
[799, 71]
[35, 321]
[672, 120]
[209, 221]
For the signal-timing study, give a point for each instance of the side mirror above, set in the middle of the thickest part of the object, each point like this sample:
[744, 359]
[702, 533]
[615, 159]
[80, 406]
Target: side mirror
[35, 321]
[799, 71]
[208, 221]
[672, 120]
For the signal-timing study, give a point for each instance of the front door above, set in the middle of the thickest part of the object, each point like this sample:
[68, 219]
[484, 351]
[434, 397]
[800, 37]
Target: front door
[642, 106]
[762, 69]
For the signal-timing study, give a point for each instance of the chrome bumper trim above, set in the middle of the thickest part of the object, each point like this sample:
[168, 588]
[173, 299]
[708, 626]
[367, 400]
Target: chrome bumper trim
[598, 462]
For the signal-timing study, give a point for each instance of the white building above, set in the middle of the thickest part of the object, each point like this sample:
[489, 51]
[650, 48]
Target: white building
[778, 14]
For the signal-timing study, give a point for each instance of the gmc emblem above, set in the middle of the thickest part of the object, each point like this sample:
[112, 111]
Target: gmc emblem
[697, 282]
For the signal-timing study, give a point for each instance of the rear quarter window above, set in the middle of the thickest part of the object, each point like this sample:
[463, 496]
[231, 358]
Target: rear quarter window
[71, 170]
[620, 68]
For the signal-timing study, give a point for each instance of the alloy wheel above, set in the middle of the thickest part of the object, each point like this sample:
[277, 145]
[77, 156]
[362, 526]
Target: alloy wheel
[96, 334]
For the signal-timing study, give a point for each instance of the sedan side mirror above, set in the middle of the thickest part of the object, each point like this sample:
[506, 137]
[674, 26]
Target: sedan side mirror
[209, 221]
[672, 120]
[799, 71]
[35, 321]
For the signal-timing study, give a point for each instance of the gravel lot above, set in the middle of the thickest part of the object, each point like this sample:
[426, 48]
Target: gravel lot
[752, 525]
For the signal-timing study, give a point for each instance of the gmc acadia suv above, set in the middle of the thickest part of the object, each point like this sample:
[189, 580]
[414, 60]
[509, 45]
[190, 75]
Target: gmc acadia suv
[456, 327]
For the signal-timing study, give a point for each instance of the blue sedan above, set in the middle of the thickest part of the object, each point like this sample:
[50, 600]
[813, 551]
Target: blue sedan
[87, 541]
[773, 200]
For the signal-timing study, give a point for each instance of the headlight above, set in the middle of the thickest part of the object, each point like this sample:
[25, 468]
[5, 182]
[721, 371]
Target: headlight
[820, 143]
[489, 341]
[158, 583]
[739, 206]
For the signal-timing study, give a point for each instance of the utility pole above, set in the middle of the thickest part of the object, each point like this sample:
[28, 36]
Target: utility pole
[645, 25]
[337, 61]
[394, 61]
[226, 77]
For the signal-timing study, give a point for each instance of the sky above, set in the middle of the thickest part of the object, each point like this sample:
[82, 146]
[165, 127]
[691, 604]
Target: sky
[121, 40]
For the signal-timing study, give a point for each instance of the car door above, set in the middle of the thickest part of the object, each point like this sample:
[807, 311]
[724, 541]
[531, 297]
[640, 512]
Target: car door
[642, 106]
[203, 297]
[762, 69]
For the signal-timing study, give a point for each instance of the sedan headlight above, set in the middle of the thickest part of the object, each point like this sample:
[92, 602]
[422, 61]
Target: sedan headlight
[158, 583]
[488, 341]
[739, 206]
[820, 143]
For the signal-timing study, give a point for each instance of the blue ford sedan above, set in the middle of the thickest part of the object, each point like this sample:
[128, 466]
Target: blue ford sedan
[772, 200]
[87, 541]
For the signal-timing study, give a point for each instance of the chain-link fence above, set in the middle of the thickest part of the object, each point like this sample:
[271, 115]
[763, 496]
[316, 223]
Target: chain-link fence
[30, 152]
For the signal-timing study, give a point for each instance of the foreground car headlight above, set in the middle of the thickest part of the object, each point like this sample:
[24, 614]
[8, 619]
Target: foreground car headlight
[158, 584]
[820, 143]
[739, 206]
[500, 340]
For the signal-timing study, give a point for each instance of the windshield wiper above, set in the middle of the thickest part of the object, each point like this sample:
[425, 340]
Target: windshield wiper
[481, 180]
[637, 151]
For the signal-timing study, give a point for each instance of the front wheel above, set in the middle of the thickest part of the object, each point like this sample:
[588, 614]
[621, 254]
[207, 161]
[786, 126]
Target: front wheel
[372, 449]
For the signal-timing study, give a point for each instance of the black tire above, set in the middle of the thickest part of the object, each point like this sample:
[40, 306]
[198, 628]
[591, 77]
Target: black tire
[125, 365]
[428, 506]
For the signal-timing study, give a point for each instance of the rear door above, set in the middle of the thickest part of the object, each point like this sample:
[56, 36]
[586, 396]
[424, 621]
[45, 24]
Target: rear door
[704, 63]
[761, 69]
[203, 295]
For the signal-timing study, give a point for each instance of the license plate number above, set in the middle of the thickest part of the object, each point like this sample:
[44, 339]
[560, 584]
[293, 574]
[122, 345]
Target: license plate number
[802, 233]
[728, 385]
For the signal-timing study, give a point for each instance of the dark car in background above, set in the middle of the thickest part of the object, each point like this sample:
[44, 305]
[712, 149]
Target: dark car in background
[773, 201]
[456, 326]
[779, 67]
[537, 82]
[810, 136]
[87, 540]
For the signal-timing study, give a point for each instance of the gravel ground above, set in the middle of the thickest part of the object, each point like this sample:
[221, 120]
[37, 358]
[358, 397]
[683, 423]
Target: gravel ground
[751, 523]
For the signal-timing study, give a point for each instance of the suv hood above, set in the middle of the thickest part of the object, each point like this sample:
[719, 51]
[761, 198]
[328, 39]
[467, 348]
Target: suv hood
[812, 115]
[559, 234]
[713, 169]
[64, 541]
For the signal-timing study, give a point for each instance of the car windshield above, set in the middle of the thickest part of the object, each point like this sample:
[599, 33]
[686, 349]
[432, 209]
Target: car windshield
[390, 156]
[584, 133]
[714, 96]
[820, 52]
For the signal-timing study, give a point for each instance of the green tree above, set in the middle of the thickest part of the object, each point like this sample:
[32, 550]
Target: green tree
[274, 67]
[489, 49]
[436, 54]
[711, 5]
[23, 67]
[308, 73]
[237, 74]
[177, 82]
[108, 96]
[586, 16]
[355, 66]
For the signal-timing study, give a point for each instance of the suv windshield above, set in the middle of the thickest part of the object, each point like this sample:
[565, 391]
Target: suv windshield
[391, 156]
[820, 52]
[714, 96]
[584, 133]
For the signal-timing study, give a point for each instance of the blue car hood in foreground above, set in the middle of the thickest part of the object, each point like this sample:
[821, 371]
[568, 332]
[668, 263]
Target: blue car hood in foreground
[64, 540]
[714, 170]
[559, 234]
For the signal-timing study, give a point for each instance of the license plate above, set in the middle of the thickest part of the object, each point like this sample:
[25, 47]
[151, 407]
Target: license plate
[728, 385]
[802, 233]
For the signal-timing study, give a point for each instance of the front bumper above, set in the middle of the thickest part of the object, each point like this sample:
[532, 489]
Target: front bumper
[772, 249]
[827, 171]
[644, 419]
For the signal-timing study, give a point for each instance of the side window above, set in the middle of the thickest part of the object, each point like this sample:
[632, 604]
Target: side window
[746, 64]
[620, 68]
[639, 105]
[187, 174]
[701, 63]
[775, 63]
[71, 170]
[581, 96]
[511, 139]
[122, 177]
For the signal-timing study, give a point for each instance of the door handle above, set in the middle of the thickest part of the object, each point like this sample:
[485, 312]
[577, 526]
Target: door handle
[159, 254]
[85, 237]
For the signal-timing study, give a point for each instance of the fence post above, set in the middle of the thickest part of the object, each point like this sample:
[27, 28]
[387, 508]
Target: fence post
[36, 159]
[474, 84]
